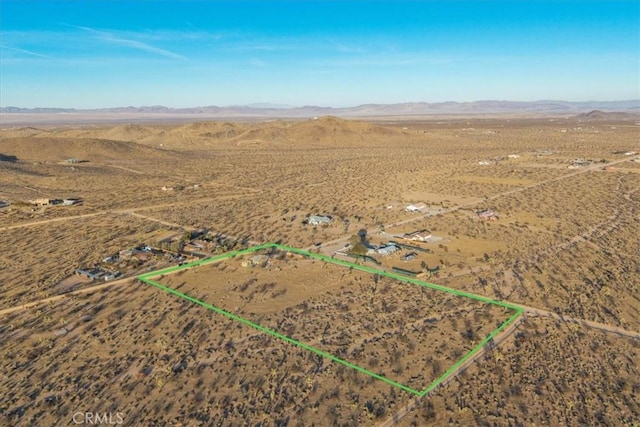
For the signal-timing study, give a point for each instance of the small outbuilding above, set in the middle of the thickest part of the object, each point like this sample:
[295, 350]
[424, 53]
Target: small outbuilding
[318, 219]
[418, 207]
[580, 163]
[409, 256]
[487, 214]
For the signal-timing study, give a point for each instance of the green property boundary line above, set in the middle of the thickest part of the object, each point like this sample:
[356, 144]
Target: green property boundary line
[147, 278]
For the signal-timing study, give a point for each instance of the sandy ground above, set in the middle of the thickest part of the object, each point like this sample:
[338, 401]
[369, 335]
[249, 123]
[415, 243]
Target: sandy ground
[564, 243]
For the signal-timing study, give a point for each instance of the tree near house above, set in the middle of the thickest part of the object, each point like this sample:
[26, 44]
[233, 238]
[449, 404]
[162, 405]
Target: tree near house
[357, 247]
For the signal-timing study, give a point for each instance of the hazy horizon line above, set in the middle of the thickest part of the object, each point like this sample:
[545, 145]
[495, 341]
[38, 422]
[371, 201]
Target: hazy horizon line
[275, 105]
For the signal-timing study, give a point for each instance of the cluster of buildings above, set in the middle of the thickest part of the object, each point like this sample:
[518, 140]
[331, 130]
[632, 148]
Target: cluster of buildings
[125, 261]
[171, 250]
[140, 254]
[55, 202]
[387, 249]
[98, 273]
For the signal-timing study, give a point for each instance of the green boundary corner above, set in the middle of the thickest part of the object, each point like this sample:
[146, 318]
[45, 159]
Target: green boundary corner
[147, 278]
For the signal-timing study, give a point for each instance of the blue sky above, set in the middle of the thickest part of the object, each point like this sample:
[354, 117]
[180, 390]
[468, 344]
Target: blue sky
[89, 54]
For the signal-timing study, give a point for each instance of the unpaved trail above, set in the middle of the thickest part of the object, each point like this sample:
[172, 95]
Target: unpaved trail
[89, 289]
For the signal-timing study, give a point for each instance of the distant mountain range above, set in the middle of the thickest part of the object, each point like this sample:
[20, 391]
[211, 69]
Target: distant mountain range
[366, 110]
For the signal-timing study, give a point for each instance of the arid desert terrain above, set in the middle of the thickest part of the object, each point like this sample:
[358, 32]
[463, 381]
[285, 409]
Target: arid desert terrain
[542, 214]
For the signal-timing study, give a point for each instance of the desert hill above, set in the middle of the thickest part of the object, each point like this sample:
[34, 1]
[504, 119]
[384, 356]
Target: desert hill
[322, 132]
[194, 136]
[58, 149]
[596, 115]
[129, 132]
[104, 141]
[331, 126]
[21, 170]
[202, 128]
[23, 132]
[318, 132]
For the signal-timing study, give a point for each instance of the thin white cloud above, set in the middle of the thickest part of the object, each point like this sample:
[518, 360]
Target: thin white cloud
[174, 35]
[142, 46]
[134, 44]
[26, 52]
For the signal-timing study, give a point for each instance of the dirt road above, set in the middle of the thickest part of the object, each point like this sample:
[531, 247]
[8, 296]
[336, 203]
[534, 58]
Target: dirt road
[413, 403]
[90, 289]
[538, 312]
[127, 211]
[508, 331]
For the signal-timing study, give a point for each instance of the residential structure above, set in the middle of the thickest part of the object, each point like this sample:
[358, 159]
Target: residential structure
[418, 207]
[418, 236]
[386, 249]
[488, 214]
[318, 219]
[578, 163]
[54, 202]
[98, 273]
